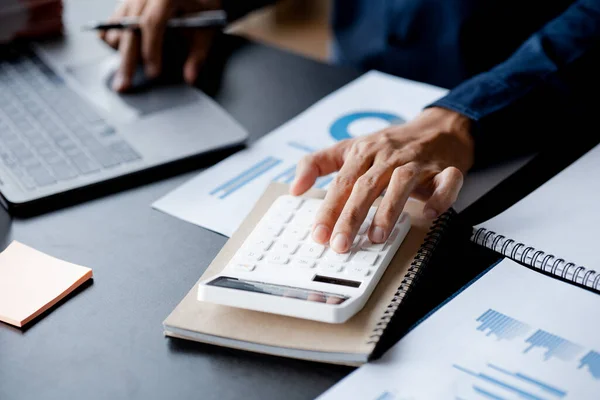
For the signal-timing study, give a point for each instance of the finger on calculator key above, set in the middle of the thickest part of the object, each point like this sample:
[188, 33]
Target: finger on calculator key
[354, 213]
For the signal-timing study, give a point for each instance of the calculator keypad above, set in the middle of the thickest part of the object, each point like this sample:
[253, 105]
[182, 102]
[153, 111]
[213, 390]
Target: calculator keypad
[282, 240]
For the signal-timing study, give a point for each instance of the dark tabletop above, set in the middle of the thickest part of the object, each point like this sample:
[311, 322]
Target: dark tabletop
[106, 339]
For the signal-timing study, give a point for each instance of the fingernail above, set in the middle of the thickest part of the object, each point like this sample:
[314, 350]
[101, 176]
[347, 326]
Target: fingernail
[378, 235]
[151, 71]
[340, 243]
[118, 81]
[321, 233]
[430, 213]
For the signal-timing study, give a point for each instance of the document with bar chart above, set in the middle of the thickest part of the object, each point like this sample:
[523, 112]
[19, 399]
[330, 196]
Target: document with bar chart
[220, 197]
[512, 334]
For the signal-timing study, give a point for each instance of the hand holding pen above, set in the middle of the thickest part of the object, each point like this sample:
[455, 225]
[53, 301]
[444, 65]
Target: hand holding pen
[152, 18]
[203, 19]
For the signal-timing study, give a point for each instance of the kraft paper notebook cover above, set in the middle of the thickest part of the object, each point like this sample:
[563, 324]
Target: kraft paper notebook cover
[351, 343]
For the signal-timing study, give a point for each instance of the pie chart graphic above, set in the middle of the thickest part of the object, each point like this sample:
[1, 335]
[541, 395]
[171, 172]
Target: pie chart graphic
[364, 122]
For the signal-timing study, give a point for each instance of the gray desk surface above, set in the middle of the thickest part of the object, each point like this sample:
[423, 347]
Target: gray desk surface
[106, 340]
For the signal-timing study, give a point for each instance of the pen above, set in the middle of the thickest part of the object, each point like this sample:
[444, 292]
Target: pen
[204, 19]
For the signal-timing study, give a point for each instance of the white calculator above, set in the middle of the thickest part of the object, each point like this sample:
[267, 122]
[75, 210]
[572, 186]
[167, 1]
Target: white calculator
[279, 268]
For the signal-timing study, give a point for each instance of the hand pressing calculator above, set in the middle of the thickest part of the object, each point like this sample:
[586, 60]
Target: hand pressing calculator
[279, 268]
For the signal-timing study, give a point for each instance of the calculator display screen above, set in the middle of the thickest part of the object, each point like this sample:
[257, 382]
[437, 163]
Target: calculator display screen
[278, 290]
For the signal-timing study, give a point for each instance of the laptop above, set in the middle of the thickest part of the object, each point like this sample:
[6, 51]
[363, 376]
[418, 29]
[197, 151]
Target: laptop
[62, 128]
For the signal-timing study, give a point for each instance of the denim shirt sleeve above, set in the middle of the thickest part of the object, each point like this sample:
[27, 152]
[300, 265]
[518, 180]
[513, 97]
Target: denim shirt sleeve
[539, 63]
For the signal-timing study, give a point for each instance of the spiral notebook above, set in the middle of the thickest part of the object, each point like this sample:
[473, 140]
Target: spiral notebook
[352, 343]
[554, 228]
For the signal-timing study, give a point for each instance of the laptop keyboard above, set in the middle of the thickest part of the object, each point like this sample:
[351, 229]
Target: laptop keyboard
[48, 133]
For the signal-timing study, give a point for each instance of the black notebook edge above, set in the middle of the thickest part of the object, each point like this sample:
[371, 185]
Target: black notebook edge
[431, 279]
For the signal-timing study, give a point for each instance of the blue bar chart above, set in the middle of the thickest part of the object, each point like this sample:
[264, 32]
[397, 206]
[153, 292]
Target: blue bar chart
[539, 345]
[245, 177]
[499, 383]
[527, 379]
[256, 171]
[486, 394]
[592, 361]
[301, 147]
[385, 396]
[555, 346]
[287, 175]
[500, 325]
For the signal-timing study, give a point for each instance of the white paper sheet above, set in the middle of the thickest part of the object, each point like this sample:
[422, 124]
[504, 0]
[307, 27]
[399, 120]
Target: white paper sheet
[220, 197]
[562, 216]
[513, 334]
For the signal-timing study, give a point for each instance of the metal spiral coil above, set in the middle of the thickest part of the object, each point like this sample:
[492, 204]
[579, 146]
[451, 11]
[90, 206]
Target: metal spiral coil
[536, 258]
[419, 263]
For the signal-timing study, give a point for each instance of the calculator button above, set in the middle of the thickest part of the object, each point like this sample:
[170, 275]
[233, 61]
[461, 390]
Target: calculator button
[306, 223]
[262, 245]
[289, 202]
[285, 247]
[356, 242]
[369, 246]
[296, 232]
[365, 257]
[329, 268]
[364, 227]
[244, 267]
[271, 229]
[393, 236]
[312, 250]
[280, 217]
[358, 272]
[371, 213]
[308, 211]
[303, 263]
[336, 257]
[250, 255]
[278, 259]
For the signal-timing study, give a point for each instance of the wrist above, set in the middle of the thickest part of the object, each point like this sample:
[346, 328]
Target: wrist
[450, 122]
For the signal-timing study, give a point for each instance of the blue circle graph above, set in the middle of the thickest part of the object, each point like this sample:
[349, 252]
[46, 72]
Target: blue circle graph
[339, 129]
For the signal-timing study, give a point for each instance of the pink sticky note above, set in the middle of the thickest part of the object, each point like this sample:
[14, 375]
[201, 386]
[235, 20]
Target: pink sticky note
[31, 282]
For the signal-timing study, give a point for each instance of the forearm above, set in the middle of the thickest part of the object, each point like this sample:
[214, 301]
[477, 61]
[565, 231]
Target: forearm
[544, 78]
[541, 61]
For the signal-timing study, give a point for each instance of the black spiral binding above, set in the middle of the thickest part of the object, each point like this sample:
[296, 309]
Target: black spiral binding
[420, 262]
[537, 258]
